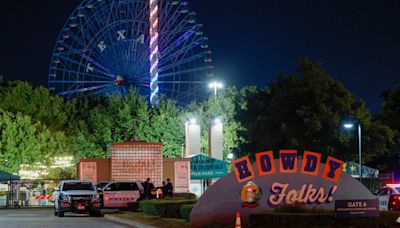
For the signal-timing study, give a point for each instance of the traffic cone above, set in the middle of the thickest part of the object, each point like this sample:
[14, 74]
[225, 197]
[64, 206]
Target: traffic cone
[237, 223]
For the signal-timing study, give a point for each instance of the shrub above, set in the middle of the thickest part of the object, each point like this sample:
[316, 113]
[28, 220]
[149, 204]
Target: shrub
[186, 195]
[186, 210]
[133, 206]
[164, 208]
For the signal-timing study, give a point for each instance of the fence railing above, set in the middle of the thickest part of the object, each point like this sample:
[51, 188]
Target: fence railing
[27, 193]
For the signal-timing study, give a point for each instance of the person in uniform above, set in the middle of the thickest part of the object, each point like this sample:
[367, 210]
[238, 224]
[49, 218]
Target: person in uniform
[169, 188]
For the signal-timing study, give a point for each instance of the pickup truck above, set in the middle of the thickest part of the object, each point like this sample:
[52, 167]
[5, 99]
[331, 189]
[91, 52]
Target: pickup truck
[76, 196]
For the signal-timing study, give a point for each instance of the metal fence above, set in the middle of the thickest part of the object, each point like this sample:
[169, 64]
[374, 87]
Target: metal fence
[27, 193]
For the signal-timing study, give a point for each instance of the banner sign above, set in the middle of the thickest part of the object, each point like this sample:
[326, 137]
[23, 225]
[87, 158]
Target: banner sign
[357, 208]
[353, 169]
[88, 171]
[182, 176]
[203, 167]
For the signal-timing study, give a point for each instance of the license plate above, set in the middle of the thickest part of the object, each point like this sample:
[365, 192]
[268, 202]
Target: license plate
[80, 207]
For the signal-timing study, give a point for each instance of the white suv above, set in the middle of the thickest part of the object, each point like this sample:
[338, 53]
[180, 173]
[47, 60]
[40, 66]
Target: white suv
[76, 196]
[118, 194]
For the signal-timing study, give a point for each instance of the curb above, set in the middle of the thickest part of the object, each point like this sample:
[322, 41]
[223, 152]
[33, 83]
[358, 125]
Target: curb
[127, 222]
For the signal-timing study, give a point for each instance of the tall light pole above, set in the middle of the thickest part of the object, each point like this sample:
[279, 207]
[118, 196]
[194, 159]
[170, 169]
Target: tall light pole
[348, 126]
[215, 86]
[192, 137]
[216, 139]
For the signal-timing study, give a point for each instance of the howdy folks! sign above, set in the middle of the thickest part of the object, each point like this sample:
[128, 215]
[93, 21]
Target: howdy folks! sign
[282, 193]
[271, 182]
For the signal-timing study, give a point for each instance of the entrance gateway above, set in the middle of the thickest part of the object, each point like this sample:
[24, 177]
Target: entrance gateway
[270, 183]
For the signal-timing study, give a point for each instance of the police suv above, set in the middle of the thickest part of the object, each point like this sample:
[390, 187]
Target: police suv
[76, 196]
[117, 194]
[389, 197]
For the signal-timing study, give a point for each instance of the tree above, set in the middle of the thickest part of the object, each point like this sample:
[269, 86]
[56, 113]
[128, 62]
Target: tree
[96, 121]
[390, 116]
[225, 107]
[167, 127]
[391, 108]
[303, 111]
[25, 142]
[35, 102]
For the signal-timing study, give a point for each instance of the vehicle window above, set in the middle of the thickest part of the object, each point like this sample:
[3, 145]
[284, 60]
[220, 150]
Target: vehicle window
[128, 186]
[397, 189]
[389, 192]
[77, 186]
[382, 192]
[385, 191]
[123, 186]
[113, 187]
[378, 193]
[101, 185]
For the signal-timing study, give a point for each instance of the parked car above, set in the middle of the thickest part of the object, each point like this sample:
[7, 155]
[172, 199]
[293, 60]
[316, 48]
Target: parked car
[117, 194]
[389, 197]
[76, 196]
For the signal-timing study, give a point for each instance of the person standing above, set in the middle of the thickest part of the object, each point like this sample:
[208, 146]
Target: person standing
[169, 188]
[147, 187]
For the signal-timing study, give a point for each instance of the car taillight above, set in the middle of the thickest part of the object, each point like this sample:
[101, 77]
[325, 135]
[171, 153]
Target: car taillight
[394, 201]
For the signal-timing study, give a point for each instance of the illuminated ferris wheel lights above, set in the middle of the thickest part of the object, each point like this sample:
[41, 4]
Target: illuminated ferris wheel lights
[143, 43]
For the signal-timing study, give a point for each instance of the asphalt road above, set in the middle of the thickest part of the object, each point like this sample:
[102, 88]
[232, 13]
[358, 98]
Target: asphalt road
[17, 218]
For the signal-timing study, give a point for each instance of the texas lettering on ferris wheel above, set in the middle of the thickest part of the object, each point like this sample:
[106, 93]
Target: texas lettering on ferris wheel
[288, 164]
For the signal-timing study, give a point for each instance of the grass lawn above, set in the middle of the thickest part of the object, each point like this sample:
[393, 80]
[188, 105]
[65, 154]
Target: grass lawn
[153, 220]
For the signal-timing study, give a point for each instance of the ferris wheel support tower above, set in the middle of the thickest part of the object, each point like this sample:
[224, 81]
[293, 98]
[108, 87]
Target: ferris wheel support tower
[154, 52]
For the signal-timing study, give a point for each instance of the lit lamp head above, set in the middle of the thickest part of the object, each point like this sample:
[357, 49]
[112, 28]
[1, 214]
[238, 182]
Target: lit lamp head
[217, 85]
[348, 125]
[192, 121]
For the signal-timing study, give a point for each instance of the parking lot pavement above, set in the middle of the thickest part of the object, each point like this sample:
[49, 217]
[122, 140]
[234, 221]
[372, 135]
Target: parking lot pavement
[43, 217]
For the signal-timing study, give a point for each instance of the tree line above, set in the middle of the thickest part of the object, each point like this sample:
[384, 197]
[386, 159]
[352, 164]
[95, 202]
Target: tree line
[304, 110]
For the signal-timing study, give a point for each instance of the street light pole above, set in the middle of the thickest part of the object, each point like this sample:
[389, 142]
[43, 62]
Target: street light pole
[351, 125]
[359, 151]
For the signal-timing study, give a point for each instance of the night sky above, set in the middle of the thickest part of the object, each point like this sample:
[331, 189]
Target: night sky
[357, 42]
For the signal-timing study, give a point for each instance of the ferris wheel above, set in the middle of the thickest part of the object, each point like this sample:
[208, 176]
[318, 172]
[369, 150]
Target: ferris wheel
[156, 46]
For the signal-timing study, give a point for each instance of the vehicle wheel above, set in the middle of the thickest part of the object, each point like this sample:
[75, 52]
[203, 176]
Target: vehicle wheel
[94, 213]
[60, 214]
